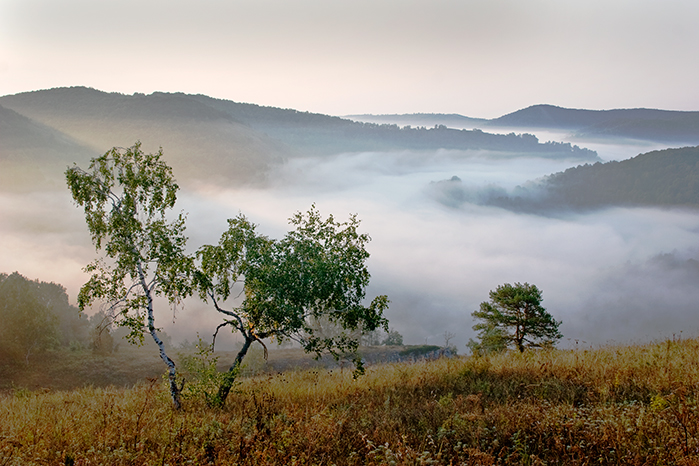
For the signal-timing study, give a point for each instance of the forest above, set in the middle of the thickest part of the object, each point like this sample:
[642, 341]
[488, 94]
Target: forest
[660, 178]
[665, 178]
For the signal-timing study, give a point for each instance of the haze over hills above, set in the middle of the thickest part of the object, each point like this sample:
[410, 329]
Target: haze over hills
[31, 153]
[676, 127]
[201, 143]
[219, 141]
[639, 123]
[436, 264]
[315, 134]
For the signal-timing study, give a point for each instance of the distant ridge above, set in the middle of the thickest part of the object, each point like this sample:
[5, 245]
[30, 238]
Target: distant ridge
[670, 126]
[211, 139]
[201, 142]
[639, 123]
[452, 120]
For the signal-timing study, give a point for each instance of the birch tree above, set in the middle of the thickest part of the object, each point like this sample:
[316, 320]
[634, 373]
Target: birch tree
[127, 196]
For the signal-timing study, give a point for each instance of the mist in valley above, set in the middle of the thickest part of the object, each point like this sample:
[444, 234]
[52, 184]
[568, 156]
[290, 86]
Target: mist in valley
[611, 275]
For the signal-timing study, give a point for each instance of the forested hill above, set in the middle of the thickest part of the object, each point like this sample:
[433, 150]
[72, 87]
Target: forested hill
[241, 141]
[317, 134]
[451, 120]
[661, 178]
[200, 142]
[641, 123]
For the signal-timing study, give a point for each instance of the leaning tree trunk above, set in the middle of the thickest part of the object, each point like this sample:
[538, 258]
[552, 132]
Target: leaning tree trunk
[232, 373]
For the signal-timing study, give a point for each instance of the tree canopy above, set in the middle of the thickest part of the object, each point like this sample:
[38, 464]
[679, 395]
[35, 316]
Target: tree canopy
[514, 316]
[27, 323]
[316, 272]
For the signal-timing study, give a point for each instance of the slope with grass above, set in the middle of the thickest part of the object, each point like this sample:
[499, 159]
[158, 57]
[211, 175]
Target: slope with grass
[634, 405]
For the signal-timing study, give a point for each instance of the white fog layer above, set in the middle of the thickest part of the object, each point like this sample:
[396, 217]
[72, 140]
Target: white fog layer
[618, 274]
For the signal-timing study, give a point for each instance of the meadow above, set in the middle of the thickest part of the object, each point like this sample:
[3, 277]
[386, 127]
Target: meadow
[621, 405]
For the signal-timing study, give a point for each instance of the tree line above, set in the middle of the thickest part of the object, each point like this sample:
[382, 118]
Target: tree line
[36, 316]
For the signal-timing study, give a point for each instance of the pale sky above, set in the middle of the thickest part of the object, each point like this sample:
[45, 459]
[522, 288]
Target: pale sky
[480, 58]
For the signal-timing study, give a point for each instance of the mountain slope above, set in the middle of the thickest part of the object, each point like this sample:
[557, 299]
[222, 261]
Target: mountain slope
[316, 134]
[660, 178]
[200, 142]
[34, 156]
[230, 143]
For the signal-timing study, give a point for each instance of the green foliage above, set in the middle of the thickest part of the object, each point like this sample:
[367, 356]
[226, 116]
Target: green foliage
[126, 195]
[317, 272]
[393, 339]
[27, 323]
[202, 375]
[659, 178]
[492, 339]
[514, 316]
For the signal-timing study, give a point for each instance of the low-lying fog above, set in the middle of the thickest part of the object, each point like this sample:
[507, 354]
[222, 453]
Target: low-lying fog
[614, 275]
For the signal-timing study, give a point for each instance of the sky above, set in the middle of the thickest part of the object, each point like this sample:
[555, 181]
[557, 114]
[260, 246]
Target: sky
[480, 58]
[617, 274]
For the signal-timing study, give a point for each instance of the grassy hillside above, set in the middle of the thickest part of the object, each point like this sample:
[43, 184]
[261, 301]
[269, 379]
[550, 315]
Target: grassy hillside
[633, 405]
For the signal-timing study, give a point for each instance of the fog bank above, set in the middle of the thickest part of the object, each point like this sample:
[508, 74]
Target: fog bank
[617, 274]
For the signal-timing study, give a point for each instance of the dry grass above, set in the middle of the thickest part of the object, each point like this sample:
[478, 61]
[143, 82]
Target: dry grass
[619, 405]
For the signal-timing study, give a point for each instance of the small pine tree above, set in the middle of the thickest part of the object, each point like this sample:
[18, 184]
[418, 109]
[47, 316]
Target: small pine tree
[514, 316]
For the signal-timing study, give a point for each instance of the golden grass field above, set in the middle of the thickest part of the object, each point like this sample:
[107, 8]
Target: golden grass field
[630, 405]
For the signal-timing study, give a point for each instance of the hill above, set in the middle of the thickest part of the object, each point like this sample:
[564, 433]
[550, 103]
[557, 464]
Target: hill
[660, 178]
[200, 142]
[665, 178]
[644, 124]
[317, 134]
[225, 142]
[32, 154]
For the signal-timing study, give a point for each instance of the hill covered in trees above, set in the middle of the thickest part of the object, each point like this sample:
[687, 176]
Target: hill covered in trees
[665, 126]
[639, 123]
[35, 316]
[662, 178]
[315, 134]
[215, 140]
